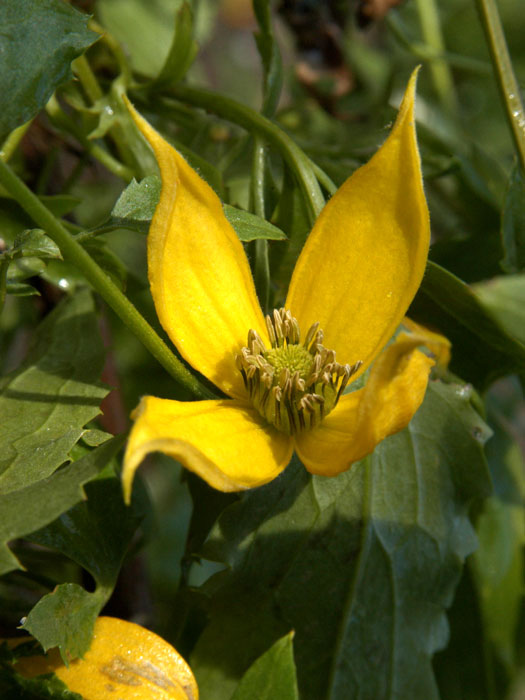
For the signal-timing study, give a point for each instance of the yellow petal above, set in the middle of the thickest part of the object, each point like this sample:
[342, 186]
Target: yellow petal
[199, 274]
[225, 442]
[365, 257]
[394, 391]
[124, 661]
[438, 345]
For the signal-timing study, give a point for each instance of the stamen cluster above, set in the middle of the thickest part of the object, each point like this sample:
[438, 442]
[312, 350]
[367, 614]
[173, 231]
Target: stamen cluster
[292, 385]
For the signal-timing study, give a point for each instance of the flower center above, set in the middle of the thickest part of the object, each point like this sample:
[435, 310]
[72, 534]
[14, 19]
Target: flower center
[293, 385]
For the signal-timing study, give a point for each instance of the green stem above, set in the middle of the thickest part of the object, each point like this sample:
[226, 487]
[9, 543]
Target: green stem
[506, 79]
[64, 122]
[324, 179]
[262, 263]
[251, 120]
[11, 143]
[74, 253]
[4, 265]
[439, 69]
[83, 71]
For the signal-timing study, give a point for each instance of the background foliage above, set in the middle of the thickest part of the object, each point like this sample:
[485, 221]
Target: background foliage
[402, 578]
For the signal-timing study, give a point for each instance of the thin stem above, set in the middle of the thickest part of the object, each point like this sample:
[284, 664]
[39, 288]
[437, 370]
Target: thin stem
[74, 253]
[115, 48]
[441, 76]
[251, 120]
[506, 79]
[64, 122]
[262, 263]
[11, 143]
[89, 81]
[324, 179]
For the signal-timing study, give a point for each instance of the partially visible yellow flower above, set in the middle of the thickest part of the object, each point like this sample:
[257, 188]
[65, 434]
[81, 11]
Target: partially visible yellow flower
[353, 282]
[125, 661]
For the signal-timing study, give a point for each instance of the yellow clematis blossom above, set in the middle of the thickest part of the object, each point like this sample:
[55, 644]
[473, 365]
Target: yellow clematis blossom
[351, 287]
[125, 661]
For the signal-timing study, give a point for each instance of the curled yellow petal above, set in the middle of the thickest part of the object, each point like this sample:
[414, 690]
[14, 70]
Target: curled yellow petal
[199, 274]
[365, 257]
[125, 661]
[362, 419]
[226, 443]
[439, 346]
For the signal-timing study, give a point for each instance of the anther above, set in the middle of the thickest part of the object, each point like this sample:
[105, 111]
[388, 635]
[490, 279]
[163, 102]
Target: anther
[292, 385]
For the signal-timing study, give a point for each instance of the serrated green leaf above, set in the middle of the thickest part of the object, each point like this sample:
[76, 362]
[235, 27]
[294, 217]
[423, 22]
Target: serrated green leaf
[30, 508]
[513, 222]
[23, 268]
[361, 566]
[96, 535]
[271, 676]
[136, 205]
[482, 350]
[250, 227]
[48, 400]
[504, 297]
[37, 44]
[64, 619]
[21, 289]
[34, 242]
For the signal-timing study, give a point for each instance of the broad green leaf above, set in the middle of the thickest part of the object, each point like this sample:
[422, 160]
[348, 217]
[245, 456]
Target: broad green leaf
[37, 44]
[504, 297]
[271, 676]
[64, 619]
[146, 29]
[183, 48]
[250, 227]
[362, 566]
[136, 205]
[30, 508]
[46, 403]
[33, 243]
[482, 350]
[24, 268]
[513, 223]
[96, 535]
[21, 289]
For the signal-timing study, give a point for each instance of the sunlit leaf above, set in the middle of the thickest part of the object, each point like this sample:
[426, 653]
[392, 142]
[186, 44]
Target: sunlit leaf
[37, 44]
[48, 400]
[34, 506]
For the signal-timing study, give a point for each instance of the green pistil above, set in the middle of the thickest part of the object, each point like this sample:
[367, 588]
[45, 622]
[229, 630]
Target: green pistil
[295, 358]
[293, 385]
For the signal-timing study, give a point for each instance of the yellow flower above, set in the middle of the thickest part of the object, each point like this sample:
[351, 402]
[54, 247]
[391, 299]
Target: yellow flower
[124, 661]
[355, 278]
